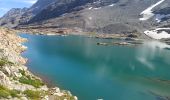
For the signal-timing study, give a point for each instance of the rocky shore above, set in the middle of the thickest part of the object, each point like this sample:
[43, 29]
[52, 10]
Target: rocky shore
[48, 30]
[16, 82]
[40, 30]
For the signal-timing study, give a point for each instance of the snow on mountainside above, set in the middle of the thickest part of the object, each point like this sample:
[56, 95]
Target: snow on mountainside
[158, 33]
[159, 15]
[148, 13]
[102, 16]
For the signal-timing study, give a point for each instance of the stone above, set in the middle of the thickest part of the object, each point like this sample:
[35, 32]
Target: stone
[4, 80]
[24, 98]
[17, 74]
[7, 70]
[75, 98]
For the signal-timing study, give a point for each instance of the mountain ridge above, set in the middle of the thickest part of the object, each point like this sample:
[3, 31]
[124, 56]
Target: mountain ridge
[101, 16]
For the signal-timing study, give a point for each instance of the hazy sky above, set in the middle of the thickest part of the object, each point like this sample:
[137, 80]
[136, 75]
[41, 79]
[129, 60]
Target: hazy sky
[6, 5]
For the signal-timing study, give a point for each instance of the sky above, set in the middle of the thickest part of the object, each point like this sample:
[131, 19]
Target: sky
[6, 5]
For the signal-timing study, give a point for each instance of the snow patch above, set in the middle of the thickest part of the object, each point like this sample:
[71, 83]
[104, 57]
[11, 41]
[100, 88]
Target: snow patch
[148, 13]
[158, 34]
[97, 8]
[90, 8]
[162, 29]
[111, 5]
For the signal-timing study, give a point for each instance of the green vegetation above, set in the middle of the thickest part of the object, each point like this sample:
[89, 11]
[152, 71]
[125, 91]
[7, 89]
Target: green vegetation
[5, 92]
[22, 72]
[4, 61]
[26, 79]
[34, 95]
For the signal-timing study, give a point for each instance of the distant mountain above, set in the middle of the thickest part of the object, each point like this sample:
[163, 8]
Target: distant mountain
[12, 17]
[17, 16]
[103, 16]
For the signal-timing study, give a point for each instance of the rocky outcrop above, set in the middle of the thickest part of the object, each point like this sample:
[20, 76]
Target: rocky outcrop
[16, 82]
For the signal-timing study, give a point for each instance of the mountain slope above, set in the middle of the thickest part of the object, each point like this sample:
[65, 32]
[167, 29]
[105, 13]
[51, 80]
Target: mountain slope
[12, 17]
[60, 7]
[103, 16]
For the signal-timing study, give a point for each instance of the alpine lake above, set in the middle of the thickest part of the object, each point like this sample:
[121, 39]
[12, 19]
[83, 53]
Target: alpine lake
[99, 72]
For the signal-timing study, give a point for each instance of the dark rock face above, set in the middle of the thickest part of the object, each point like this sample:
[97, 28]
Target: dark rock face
[40, 5]
[103, 16]
[60, 7]
[164, 11]
[34, 10]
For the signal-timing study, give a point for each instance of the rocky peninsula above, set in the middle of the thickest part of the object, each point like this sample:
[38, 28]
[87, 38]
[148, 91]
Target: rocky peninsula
[16, 82]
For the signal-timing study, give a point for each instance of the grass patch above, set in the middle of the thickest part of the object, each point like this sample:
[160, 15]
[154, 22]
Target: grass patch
[4, 61]
[5, 92]
[14, 93]
[31, 81]
[34, 95]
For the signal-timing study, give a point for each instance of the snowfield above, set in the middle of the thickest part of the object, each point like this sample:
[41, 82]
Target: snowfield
[148, 13]
[111, 5]
[158, 33]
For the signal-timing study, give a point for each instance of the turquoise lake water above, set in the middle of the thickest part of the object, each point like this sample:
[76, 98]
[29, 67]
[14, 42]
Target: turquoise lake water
[92, 72]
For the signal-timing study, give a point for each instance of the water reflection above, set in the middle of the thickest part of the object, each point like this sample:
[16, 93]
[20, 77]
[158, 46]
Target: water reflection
[150, 50]
[147, 55]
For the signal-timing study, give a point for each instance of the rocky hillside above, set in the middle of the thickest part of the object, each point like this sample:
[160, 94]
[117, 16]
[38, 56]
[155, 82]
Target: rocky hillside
[16, 82]
[12, 17]
[102, 16]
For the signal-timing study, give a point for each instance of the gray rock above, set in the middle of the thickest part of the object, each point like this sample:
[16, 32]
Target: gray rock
[4, 80]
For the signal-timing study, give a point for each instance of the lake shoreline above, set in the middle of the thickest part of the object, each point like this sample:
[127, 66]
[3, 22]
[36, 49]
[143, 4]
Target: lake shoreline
[67, 31]
[16, 76]
[130, 39]
[135, 36]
